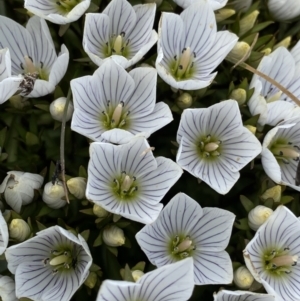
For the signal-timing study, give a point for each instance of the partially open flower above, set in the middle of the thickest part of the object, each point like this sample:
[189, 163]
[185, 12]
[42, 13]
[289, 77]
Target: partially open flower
[258, 215]
[77, 187]
[19, 230]
[53, 195]
[113, 236]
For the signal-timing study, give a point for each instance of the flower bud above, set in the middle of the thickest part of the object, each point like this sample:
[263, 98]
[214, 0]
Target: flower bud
[238, 51]
[57, 108]
[272, 193]
[157, 2]
[7, 289]
[243, 278]
[100, 211]
[240, 95]
[113, 236]
[184, 101]
[248, 22]
[77, 187]
[53, 195]
[19, 230]
[258, 215]
[137, 274]
[284, 43]
[251, 128]
[266, 51]
[224, 13]
[18, 188]
[91, 280]
[242, 5]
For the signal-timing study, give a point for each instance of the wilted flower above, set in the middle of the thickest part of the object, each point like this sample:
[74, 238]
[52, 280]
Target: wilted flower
[272, 255]
[59, 12]
[184, 229]
[50, 266]
[113, 236]
[18, 188]
[7, 289]
[171, 282]
[242, 277]
[224, 295]
[214, 145]
[57, 108]
[190, 48]
[3, 234]
[53, 195]
[115, 99]
[214, 4]
[9, 84]
[77, 187]
[127, 179]
[258, 215]
[284, 10]
[19, 229]
[122, 33]
[36, 57]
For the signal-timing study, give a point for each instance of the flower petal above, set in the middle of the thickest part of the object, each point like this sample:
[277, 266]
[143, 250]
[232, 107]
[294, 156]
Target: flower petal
[8, 87]
[3, 234]
[278, 111]
[224, 295]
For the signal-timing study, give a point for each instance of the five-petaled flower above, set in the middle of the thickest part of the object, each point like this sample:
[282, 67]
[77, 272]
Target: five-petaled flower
[127, 179]
[114, 99]
[272, 255]
[171, 282]
[33, 55]
[214, 145]
[190, 48]
[50, 266]
[58, 11]
[184, 229]
[121, 32]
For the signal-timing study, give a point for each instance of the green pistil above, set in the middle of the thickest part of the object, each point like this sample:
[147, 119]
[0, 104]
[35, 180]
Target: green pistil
[65, 6]
[209, 148]
[285, 151]
[115, 117]
[181, 247]
[125, 187]
[182, 67]
[117, 45]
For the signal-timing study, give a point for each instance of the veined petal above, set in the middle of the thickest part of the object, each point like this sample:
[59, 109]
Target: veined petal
[5, 64]
[294, 85]
[119, 136]
[278, 111]
[217, 4]
[283, 10]
[3, 234]
[41, 88]
[225, 295]
[122, 17]
[8, 87]
[212, 268]
[295, 52]
[184, 3]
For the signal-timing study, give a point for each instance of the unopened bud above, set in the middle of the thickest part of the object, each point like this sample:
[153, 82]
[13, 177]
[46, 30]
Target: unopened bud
[77, 187]
[258, 215]
[284, 43]
[224, 13]
[53, 195]
[57, 108]
[248, 22]
[272, 193]
[240, 95]
[242, 5]
[266, 51]
[239, 51]
[184, 101]
[251, 128]
[243, 278]
[91, 280]
[137, 274]
[113, 236]
[100, 211]
[157, 2]
[19, 230]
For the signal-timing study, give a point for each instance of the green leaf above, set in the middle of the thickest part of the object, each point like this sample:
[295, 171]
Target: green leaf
[261, 26]
[43, 107]
[247, 204]
[98, 241]
[113, 250]
[2, 136]
[140, 266]
[82, 172]
[44, 211]
[122, 224]
[31, 139]
[242, 224]
[286, 199]
[87, 211]
[40, 226]
[85, 234]
[128, 274]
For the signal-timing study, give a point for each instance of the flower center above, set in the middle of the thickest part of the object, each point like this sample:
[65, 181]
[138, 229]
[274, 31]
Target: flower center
[285, 152]
[209, 147]
[183, 66]
[61, 260]
[280, 262]
[117, 45]
[182, 247]
[125, 186]
[115, 118]
[65, 6]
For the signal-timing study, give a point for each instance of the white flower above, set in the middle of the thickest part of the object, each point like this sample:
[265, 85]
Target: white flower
[242, 278]
[18, 188]
[214, 145]
[3, 234]
[224, 295]
[215, 4]
[9, 84]
[272, 255]
[284, 10]
[7, 289]
[184, 229]
[281, 152]
[54, 195]
[258, 215]
[19, 229]
[190, 48]
[113, 236]
[57, 108]
[115, 99]
[50, 266]
[77, 187]
[122, 33]
[58, 11]
[128, 180]
[171, 282]
[33, 55]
